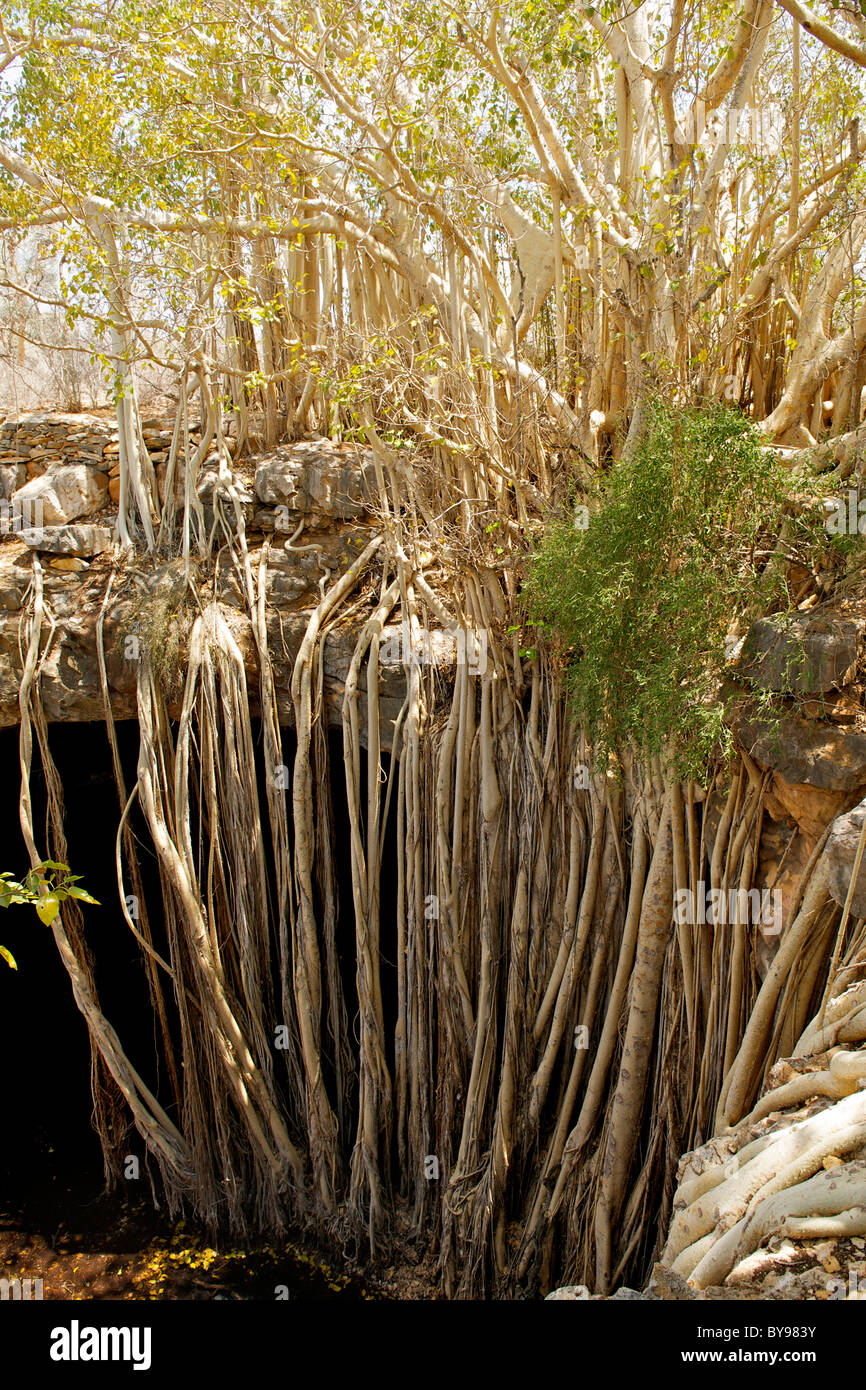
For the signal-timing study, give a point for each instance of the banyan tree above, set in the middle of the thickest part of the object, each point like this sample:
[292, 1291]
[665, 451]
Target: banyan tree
[541, 260]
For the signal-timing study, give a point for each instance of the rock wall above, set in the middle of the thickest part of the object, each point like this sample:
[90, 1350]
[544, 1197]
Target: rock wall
[310, 502]
[808, 745]
[32, 445]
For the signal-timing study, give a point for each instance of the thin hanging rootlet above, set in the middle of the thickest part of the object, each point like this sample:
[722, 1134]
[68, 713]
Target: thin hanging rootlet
[529, 909]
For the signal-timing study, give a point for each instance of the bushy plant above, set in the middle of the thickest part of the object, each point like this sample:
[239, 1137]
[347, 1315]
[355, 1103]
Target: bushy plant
[679, 543]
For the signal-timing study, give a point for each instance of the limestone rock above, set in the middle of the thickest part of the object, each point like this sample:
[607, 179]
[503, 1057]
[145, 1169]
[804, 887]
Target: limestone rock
[84, 541]
[14, 582]
[580, 1293]
[810, 808]
[800, 655]
[815, 755]
[841, 849]
[317, 479]
[68, 564]
[12, 476]
[62, 495]
[668, 1286]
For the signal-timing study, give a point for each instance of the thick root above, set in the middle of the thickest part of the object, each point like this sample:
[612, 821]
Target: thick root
[839, 1193]
[796, 1153]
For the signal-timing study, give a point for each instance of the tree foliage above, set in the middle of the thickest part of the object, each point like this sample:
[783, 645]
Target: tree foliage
[589, 204]
[679, 551]
[46, 886]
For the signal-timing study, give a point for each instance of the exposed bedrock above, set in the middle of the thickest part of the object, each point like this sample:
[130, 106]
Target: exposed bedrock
[309, 503]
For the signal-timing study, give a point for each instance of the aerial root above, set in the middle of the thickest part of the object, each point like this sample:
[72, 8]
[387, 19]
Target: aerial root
[730, 1195]
[832, 1202]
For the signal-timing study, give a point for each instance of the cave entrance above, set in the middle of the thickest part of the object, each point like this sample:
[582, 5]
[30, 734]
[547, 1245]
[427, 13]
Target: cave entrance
[51, 1147]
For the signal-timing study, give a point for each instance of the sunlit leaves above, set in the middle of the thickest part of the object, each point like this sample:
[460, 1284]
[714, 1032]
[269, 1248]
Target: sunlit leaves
[46, 887]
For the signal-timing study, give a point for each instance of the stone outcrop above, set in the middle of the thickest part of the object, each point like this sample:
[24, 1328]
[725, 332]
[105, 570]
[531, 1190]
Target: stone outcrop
[806, 753]
[809, 748]
[842, 847]
[816, 751]
[801, 655]
[61, 494]
[83, 541]
[334, 483]
[315, 487]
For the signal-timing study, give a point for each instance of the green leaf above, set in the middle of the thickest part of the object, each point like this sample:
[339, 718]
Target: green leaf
[8, 957]
[47, 908]
[81, 895]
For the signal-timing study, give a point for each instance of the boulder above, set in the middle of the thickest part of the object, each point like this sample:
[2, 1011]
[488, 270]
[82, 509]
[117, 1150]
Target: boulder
[800, 655]
[317, 479]
[68, 564]
[61, 495]
[816, 755]
[841, 849]
[15, 580]
[12, 476]
[83, 541]
[810, 808]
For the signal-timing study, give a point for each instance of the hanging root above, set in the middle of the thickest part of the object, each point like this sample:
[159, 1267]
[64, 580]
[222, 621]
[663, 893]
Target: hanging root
[223, 950]
[161, 1135]
[560, 1036]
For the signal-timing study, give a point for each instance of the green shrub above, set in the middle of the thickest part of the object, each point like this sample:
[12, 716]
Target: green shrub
[641, 600]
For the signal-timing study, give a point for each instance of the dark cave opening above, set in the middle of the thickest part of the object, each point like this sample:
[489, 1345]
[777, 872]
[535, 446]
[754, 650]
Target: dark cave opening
[50, 1142]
